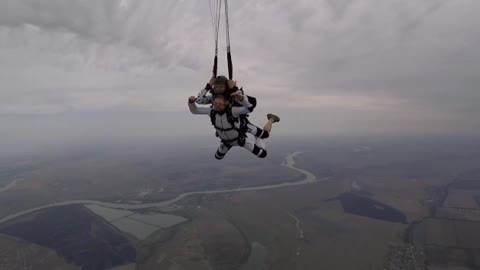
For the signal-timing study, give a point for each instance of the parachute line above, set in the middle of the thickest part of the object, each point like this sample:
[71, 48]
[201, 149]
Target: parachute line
[229, 54]
[227, 26]
[215, 13]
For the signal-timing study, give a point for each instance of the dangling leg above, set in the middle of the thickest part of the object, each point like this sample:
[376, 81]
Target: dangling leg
[271, 119]
[222, 150]
[257, 132]
[265, 132]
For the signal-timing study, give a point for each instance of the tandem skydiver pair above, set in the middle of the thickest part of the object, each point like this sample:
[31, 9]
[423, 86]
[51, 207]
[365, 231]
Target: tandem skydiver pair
[228, 105]
[228, 111]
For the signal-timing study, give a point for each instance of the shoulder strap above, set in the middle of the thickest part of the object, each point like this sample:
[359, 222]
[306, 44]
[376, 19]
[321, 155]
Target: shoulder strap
[252, 101]
[230, 117]
[213, 113]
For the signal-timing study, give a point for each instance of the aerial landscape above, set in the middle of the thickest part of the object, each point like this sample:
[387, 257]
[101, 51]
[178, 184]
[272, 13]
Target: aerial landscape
[323, 203]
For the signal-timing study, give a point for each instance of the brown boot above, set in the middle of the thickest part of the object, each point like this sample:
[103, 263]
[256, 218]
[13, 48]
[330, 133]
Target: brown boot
[273, 117]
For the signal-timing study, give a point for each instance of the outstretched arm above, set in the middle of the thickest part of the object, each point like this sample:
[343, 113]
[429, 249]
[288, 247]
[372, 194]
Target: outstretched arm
[196, 109]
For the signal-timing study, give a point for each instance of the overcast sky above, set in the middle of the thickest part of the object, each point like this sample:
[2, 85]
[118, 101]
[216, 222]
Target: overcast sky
[104, 67]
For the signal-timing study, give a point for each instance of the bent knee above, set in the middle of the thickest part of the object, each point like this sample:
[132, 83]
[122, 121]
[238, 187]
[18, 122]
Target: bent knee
[262, 134]
[265, 134]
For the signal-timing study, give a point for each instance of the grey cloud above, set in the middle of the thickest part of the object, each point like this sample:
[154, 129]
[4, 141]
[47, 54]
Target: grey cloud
[432, 67]
[96, 20]
[150, 55]
[149, 25]
[339, 7]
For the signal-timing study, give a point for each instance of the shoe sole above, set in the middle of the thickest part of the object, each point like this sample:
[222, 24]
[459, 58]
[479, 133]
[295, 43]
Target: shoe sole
[274, 117]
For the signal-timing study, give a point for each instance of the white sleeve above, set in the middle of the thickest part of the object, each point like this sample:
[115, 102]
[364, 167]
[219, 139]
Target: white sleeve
[203, 98]
[198, 110]
[237, 111]
[245, 102]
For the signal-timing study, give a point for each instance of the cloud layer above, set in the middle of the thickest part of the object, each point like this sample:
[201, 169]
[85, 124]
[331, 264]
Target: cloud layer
[348, 65]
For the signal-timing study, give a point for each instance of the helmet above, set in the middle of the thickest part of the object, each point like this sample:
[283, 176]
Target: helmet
[221, 80]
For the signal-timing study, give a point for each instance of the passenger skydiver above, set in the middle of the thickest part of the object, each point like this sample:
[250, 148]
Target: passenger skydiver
[230, 125]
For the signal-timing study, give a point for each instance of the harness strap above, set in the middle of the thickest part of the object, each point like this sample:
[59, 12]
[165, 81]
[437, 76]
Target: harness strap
[225, 129]
[230, 141]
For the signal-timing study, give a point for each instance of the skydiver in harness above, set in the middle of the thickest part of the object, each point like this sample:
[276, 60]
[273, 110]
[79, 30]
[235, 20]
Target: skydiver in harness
[220, 85]
[227, 121]
[230, 107]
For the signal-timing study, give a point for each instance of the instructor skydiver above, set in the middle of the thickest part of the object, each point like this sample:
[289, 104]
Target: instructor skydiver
[220, 85]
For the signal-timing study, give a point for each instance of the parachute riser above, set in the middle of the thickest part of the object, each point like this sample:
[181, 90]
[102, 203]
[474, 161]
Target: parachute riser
[216, 14]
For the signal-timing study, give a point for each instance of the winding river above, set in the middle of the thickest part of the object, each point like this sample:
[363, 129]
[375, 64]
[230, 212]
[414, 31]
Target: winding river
[289, 163]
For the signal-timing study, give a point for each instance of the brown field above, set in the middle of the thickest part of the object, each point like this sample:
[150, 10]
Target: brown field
[209, 241]
[459, 213]
[450, 243]
[440, 232]
[468, 234]
[462, 198]
[330, 235]
[17, 254]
